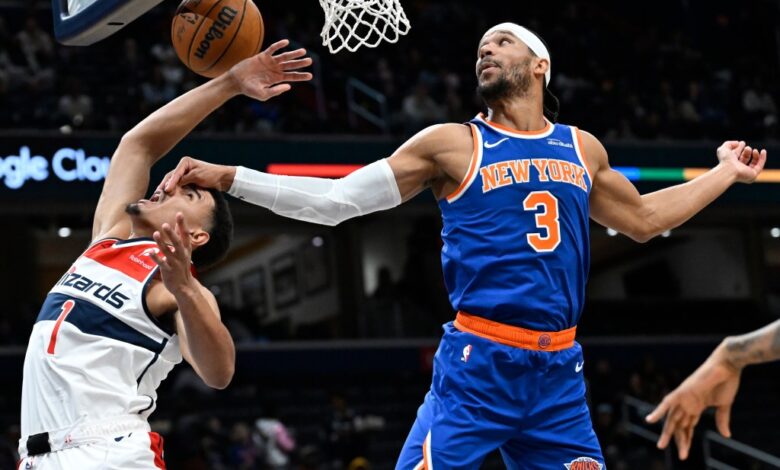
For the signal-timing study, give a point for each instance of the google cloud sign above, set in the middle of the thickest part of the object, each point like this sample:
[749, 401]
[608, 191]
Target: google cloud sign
[66, 164]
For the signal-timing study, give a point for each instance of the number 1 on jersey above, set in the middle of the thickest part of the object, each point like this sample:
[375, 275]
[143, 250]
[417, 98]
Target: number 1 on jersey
[547, 219]
[67, 306]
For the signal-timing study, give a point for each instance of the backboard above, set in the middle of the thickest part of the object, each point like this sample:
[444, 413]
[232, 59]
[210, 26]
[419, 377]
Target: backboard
[85, 22]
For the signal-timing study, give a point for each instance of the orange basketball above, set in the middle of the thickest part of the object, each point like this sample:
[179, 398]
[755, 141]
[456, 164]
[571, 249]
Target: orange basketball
[210, 36]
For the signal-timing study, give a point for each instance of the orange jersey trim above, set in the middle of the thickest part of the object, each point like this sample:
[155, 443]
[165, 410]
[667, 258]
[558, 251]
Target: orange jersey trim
[514, 335]
[581, 150]
[472, 166]
[515, 131]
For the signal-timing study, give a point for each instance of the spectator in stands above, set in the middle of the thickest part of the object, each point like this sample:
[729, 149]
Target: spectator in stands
[420, 110]
[156, 91]
[275, 442]
[74, 105]
[38, 50]
[345, 443]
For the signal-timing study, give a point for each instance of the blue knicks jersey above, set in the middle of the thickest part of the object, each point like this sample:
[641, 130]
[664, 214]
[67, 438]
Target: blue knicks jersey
[516, 233]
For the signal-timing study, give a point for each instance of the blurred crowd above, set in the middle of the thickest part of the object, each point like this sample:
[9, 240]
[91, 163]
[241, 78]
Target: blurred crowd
[676, 70]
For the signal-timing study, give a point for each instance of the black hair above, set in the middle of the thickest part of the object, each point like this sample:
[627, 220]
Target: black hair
[550, 102]
[220, 233]
[551, 105]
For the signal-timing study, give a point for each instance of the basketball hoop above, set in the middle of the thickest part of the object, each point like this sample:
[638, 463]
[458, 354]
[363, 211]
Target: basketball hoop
[353, 23]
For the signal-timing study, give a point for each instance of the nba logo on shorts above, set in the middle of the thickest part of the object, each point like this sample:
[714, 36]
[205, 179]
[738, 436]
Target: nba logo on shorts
[583, 463]
[466, 353]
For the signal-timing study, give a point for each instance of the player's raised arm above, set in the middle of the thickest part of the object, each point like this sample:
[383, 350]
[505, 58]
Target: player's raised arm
[262, 77]
[418, 164]
[616, 203]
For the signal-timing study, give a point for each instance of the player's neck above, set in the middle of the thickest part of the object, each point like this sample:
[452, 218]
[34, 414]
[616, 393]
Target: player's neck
[140, 232]
[524, 115]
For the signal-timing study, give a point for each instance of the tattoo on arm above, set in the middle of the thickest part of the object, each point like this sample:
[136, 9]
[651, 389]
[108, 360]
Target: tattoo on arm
[753, 348]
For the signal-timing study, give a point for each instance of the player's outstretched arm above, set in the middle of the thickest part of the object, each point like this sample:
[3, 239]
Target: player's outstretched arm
[379, 186]
[615, 202]
[204, 341]
[713, 384]
[262, 77]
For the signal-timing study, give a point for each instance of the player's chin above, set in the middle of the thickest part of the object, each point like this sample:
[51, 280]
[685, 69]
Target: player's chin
[134, 209]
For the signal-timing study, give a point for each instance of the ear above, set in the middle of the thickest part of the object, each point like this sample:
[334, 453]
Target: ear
[199, 237]
[542, 65]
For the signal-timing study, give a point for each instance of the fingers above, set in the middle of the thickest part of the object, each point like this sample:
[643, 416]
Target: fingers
[673, 424]
[161, 262]
[658, 412]
[276, 46]
[722, 418]
[184, 166]
[174, 238]
[288, 56]
[746, 155]
[162, 185]
[182, 231]
[684, 436]
[164, 248]
[297, 76]
[277, 90]
[740, 147]
[759, 161]
[296, 64]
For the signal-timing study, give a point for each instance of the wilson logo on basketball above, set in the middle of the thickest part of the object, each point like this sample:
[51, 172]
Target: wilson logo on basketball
[224, 20]
[583, 463]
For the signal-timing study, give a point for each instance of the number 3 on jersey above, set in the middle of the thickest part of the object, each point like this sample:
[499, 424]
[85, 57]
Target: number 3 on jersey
[547, 219]
[67, 306]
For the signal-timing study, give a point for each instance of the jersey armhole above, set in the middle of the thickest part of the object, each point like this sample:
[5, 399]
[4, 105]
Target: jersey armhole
[580, 149]
[476, 160]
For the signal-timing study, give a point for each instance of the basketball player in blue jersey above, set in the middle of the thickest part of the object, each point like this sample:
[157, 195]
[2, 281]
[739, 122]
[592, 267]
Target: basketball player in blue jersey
[515, 191]
[130, 308]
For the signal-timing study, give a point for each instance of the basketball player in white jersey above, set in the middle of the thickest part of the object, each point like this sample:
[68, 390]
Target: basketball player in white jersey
[130, 307]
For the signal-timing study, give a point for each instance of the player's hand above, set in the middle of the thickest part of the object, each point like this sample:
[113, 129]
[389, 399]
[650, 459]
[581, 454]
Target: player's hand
[713, 384]
[175, 255]
[199, 173]
[747, 161]
[265, 75]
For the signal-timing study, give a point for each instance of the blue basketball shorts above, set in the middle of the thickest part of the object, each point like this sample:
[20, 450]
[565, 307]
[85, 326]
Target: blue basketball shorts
[485, 395]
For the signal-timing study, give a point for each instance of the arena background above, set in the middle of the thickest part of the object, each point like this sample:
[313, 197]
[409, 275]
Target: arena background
[336, 327]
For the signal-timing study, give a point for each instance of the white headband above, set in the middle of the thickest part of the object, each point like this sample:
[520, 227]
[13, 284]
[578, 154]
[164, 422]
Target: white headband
[530, 39]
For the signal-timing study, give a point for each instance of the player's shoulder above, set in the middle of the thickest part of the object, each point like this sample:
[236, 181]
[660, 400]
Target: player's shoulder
[594, 150]
[443, 137]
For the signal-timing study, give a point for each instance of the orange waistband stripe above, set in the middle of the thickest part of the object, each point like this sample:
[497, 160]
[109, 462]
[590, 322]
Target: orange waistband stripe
[515, 335]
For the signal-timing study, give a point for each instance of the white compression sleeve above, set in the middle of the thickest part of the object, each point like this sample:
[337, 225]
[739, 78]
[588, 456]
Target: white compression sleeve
[320, 200]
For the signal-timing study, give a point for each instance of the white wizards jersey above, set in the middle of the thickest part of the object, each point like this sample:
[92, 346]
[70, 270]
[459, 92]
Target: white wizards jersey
[95, 352]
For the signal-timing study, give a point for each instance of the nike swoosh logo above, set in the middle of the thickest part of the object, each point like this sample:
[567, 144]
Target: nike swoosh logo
[578, 367]
[488, 145]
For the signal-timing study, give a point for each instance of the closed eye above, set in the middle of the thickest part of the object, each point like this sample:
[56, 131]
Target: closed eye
[192, 192]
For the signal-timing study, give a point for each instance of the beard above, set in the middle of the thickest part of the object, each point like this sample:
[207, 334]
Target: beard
[515, 83]
[132, 209]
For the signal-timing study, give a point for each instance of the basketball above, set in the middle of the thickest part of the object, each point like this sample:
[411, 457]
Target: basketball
[210, 36]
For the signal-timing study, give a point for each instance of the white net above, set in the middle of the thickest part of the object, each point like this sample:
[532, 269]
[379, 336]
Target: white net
[350, 24]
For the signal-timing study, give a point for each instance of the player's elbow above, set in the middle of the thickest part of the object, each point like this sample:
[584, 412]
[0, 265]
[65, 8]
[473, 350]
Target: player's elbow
[221, 378]
[134, 145]
[640, 236]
